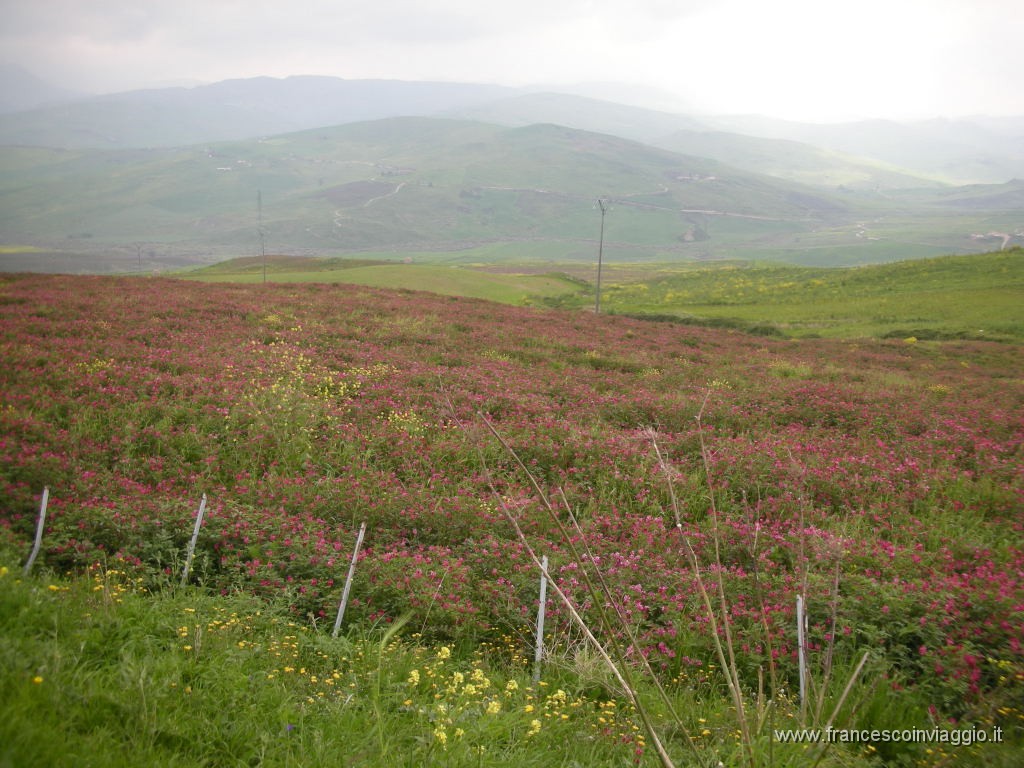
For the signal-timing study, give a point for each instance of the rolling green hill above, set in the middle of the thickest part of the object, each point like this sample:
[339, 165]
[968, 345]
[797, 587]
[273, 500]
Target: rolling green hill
[398, 184]
[422, 185]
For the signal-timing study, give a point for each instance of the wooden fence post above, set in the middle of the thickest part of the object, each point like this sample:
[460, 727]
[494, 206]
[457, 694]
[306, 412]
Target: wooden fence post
[538, 653]
[348, 580]
[801, 642]
[192, 543]
[39, 531]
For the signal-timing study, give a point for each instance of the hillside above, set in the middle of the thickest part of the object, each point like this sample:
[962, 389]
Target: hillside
[712, 478]
[401, 184]
[583, 113]
[952, 297]
[976, 150]
[793, 160]
[507, 287]
[156, 180]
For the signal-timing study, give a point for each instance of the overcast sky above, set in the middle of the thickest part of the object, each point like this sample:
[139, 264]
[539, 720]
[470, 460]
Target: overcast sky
[800, 59]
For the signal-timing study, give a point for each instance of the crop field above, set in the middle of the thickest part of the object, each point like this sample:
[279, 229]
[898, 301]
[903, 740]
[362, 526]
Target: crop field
[688, 485]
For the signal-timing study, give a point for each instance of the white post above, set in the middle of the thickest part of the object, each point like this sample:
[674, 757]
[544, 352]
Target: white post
[192, 544]
[39, 531]
[539, 652]
[801, 641]
[348, 580]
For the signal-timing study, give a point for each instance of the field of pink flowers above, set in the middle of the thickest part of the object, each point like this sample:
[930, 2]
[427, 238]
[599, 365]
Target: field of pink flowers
[882, 479]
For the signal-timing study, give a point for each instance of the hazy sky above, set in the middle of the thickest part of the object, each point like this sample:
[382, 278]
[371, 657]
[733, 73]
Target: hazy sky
[799, 59]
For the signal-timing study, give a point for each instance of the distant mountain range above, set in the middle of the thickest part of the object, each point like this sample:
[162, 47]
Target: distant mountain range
[21, 90]
[401, 168]
[977, 150]
[230, 110]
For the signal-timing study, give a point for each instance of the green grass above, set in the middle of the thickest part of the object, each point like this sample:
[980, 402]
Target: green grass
[6, 249]
[507, 288]
[949, 297]
[99, 671]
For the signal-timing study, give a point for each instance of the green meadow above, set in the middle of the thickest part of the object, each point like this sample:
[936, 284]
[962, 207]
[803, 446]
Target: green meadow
[511, 288]
[949, 297]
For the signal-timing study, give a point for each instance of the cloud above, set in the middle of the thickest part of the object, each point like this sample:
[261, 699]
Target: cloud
[793, 57]
[113, 21]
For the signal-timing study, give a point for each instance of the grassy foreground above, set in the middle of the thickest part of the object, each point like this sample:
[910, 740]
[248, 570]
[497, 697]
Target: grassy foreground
[97, 671]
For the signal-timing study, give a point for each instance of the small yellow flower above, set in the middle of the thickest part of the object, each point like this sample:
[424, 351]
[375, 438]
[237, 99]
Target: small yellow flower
[534, 728]
[444, 652]
[494, 707]
[414, 677]
[37, 680]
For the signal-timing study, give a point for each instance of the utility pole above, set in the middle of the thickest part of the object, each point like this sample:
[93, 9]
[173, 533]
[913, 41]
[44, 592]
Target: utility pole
[600, 255]
[263, 244]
